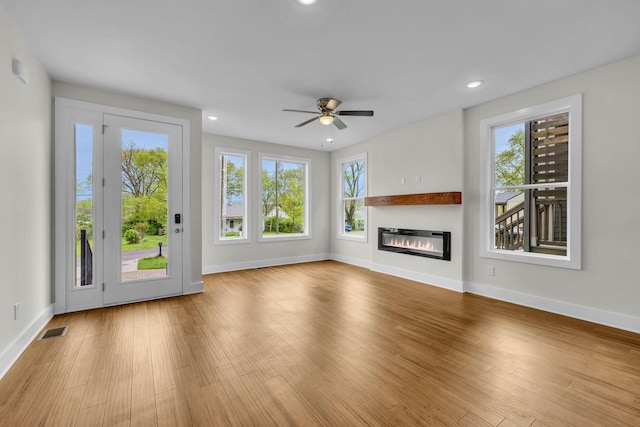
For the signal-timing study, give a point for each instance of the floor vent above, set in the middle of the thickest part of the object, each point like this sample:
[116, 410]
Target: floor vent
[54, 333]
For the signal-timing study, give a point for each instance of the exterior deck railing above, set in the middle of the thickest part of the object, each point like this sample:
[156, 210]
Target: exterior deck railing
[510, 227]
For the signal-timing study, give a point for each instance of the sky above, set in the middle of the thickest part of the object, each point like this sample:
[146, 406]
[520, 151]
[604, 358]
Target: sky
[501, 136]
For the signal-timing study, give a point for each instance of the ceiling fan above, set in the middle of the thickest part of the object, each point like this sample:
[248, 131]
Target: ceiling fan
[326, 113]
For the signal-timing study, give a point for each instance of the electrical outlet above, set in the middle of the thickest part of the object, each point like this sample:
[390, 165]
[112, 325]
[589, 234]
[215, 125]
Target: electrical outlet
[491, 270]
[16, 311]
[418, 179]
[403, 180]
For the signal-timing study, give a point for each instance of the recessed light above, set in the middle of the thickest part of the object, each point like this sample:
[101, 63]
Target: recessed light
[329, 139]
[307, 2]
[474, 83]
[212, 117]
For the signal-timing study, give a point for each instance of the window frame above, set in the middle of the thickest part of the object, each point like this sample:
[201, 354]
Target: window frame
[342, 234]
[246, 223]
[572, 260]
[307, 198]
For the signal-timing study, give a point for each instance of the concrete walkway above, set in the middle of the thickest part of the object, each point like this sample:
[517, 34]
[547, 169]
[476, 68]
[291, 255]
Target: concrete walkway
[130, 271]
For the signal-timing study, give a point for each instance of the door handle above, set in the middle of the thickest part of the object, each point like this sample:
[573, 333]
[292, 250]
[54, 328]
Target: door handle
[178, 230]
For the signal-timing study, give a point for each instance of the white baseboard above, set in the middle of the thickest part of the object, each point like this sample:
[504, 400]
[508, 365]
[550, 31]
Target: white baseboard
[247, 265]
[441, 282]
[13, 352]
[594, 315]
[364, 263]
[193, 288]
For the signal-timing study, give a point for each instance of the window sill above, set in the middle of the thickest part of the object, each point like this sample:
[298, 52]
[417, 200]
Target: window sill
[283, 237]
[231, 241]
[533, 258]
[356, 238]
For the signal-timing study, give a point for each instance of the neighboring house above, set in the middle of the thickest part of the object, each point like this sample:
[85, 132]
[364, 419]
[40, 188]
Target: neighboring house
[505, 201]
[233, 215]
[281, 214]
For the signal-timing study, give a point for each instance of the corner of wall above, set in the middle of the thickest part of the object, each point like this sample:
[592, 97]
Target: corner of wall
[20, 344]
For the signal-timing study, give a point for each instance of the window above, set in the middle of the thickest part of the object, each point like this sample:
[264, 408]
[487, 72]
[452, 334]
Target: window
[352, 181]
[532, 171]
[84, 206]
[233, 172]
[285, 198]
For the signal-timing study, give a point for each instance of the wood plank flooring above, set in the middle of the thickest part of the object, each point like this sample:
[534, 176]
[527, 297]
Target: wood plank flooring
[324, 344]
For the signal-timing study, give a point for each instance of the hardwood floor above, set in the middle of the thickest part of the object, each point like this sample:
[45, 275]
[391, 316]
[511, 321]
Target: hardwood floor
[324, 344]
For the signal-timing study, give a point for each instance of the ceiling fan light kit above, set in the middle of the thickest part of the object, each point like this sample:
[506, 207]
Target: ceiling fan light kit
[326, 119]
[327, 115]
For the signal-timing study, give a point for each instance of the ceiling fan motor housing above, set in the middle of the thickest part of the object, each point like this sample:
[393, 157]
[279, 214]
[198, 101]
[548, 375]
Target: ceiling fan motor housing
[328, 104]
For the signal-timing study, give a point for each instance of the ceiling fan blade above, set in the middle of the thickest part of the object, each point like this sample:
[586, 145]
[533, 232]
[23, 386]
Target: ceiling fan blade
[339, 123]
[300, 111]
[307, 122]
[367, 113]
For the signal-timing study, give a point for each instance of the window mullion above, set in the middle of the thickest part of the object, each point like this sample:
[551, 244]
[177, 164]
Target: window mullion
[528, 227]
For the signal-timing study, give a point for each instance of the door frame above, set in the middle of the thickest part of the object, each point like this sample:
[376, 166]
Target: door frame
[67, 113]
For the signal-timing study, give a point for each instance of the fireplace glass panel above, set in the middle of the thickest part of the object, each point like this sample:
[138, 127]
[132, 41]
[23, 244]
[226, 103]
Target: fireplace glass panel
[426, 243]
[415, 243]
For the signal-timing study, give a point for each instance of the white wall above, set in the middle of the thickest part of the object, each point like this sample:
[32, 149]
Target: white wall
[431, 150]
[607, 288]
[195, 151]
[25, 191]
[216, 258]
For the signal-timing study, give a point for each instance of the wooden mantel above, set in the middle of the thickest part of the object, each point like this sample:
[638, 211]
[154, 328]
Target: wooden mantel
[448, 198]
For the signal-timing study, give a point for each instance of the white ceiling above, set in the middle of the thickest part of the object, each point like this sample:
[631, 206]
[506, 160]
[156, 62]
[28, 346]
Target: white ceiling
[246, 60]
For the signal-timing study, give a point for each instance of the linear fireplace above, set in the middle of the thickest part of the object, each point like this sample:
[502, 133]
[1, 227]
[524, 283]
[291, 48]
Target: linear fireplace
[426, 243]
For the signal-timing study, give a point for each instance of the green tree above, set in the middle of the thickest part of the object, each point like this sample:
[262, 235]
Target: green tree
[143, 209]
[234, 177]
[268, 198]
[144, 172]
[510, 162]
[144, 186]
[84, 217]
[291, 196]
[268, 192]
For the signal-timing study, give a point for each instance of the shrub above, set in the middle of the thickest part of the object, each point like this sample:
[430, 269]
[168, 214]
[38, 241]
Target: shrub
[131, 236]
[153, 226]
[285, 225]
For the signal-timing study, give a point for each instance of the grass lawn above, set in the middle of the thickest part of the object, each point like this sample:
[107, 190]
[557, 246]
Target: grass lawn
[147, 242]
[152, 263]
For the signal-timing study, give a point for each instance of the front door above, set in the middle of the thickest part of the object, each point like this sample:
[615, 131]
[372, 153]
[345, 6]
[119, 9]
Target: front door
[118, 206]
[142, 209]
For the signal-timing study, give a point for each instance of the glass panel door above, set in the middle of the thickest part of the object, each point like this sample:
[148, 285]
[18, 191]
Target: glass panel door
[143, 209]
